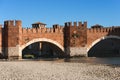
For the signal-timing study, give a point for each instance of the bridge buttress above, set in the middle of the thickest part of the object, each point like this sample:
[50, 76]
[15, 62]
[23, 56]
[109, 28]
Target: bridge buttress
[12, 38]
[75, 38]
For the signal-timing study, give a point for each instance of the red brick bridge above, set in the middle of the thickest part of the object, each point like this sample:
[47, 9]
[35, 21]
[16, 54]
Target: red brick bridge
[73, 39]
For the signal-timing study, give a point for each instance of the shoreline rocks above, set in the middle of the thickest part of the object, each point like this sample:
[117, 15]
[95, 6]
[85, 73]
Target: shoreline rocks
[53, 70]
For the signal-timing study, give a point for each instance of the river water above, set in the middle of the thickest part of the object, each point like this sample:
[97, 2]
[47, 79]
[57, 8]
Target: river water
[109, 60]
[92, 60]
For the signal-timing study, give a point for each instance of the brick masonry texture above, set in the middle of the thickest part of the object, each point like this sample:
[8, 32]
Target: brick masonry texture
[73, 36]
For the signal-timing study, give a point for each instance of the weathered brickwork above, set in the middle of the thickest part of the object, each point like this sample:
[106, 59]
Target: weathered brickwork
[72, 38]
[97, 33]
[75, 38]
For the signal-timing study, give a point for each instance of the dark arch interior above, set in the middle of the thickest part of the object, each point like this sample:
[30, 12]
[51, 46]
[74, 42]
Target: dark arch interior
[106, 48]
[42, 50]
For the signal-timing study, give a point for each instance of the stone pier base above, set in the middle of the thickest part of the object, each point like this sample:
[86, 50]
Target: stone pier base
[13, 52]
[77, 51]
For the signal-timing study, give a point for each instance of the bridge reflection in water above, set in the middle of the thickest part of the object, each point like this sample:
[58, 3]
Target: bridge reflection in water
[42, 50]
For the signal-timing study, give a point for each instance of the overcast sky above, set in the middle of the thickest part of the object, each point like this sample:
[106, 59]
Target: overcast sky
[103, 12]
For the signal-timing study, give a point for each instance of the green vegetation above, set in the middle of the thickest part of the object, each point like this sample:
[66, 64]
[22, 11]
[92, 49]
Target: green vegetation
[29, 56]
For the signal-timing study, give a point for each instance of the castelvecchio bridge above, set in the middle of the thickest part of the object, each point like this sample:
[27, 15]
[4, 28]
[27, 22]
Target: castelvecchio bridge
[72, 39]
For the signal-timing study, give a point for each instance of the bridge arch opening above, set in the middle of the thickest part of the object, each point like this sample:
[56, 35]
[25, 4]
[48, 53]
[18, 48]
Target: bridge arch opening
[42, 48]
[108, 46]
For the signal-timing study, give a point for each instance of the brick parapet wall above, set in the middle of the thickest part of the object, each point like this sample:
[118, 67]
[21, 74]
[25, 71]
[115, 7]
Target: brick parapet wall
[104, 30]
[48, 33]
[96, 33]
[42, 30]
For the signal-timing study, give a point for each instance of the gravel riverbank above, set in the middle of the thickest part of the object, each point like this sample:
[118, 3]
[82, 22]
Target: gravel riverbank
[51, 70]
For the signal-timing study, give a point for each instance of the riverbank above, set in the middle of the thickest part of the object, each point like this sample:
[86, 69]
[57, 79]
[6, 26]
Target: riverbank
[57, 70]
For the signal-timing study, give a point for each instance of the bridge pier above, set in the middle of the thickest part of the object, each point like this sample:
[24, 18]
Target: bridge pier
[13, 52]
[76, 51]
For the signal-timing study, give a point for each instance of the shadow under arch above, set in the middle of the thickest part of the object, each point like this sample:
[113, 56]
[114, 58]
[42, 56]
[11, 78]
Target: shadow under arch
[54, 44]
[107, 46]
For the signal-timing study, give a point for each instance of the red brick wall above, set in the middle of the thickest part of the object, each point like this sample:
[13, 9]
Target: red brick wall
[32, 33]
[75, 35]
[11, 33]
[96, 33]
[14, 34]
[0, 36]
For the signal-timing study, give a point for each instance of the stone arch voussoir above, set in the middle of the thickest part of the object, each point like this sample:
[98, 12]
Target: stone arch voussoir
[40, 40]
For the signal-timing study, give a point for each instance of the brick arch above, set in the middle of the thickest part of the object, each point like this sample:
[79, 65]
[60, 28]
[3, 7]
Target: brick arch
[41, 40]
[102, 38]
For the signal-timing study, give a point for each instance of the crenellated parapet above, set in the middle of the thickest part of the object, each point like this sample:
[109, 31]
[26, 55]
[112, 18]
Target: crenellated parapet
[75, 24]
[55, 29]
[104, 30]
[12, 23]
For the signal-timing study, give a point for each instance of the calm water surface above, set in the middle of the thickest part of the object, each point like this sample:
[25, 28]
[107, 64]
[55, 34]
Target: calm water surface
[111, 60]
[93, 60]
